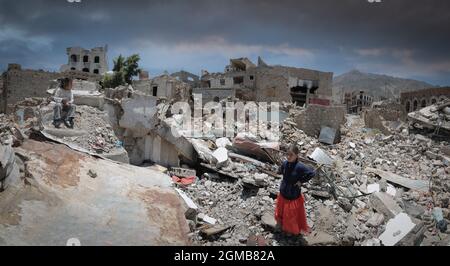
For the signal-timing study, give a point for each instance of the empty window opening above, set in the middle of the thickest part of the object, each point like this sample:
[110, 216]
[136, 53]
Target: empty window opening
[252, 77]
[97, 59]
[73, 58]
[85, 59]
[433, 101]
[415, 104]
[238, 80]
[72, 68]
[408, 106]
[222, 82]
[86, 70]
[155, 91]
[424, 103]
[96, 71]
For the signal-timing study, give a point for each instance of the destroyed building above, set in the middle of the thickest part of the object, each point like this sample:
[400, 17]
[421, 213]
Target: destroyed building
[244, 80]
[356, 101]
[91, 61]
[164, 86]
[415, 100]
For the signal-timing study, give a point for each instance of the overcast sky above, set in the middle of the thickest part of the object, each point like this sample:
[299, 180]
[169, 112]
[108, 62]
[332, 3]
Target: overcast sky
[406, 38]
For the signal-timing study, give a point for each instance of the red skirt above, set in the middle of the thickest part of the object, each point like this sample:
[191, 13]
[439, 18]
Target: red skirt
[291, 215]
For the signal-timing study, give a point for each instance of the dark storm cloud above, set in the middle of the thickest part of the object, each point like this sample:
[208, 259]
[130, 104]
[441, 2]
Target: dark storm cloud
[403, 37]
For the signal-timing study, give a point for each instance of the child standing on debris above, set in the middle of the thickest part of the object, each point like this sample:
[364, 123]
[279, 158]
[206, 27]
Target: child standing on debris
[290, 211]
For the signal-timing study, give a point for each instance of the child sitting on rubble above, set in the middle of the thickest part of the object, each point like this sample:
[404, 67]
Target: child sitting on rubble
[290, 211]
[64, 109]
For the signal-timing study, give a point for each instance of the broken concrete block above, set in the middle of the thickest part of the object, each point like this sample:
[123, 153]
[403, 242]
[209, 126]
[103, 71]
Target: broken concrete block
[376, 220]
[221, 156]
[385, 204]
[204, 153]
[396, 229]
[192, 208]
[320, 239]
[182, 172]
[206, 218]
[321, 157]
[269, 221]
[420, 185]
[223, 142]
[328, 135]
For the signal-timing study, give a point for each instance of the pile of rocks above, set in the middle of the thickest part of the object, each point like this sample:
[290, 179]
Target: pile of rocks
[354, 201]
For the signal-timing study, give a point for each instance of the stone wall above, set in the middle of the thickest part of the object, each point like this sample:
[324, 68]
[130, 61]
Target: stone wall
[415, 100]
[315, 116]
[21, 84]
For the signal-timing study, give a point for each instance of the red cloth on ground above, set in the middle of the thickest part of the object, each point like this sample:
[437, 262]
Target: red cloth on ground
[291, 215]
[183, 181]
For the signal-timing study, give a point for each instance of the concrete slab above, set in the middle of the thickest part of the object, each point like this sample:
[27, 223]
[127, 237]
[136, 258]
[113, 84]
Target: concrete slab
[123, 205]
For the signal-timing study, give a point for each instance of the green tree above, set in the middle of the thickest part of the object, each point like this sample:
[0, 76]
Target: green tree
[124, 70]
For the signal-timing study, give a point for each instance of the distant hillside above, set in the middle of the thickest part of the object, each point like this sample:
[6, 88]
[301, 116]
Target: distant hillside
[377, 85]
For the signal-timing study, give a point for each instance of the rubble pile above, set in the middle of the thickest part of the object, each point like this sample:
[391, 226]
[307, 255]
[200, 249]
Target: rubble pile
[371, 185]
[100, 137]
[434, 118]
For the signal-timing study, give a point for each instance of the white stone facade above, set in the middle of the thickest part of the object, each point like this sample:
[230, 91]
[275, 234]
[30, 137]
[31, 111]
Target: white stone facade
[92, 61]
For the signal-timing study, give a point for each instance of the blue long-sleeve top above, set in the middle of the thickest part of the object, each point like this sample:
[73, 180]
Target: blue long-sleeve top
[293, 173]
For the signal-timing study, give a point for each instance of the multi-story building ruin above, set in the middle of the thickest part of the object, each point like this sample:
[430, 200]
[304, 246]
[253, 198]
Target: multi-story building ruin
[356, 101]
[245, 80]
[92, 61]
[415, 100]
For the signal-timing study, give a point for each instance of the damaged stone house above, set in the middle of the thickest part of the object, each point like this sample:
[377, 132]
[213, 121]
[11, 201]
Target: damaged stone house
[165, 87]
[245, 80]
[415, 100]
[91, 61]
[357, 100]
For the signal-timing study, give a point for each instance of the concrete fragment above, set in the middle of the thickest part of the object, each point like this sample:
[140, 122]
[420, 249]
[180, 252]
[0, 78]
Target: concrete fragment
[328, 135]
[376, 220]
[192, 208]
[221, 156]
[396, 229]
[320, 239]
[420, 185]
[321, 157]
[223, 142]
[206, 218]
[269, 221]
[385, 204]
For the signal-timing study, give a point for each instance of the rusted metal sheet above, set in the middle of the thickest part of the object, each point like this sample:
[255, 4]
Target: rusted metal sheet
[58, 200]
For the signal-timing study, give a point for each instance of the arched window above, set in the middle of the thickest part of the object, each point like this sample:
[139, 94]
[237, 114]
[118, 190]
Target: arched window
[73, 68]
[85, 59]
[415, 104]
[73, 58]
[408, 106]
[97, 59]
[433, 101]
[86, 70]
[424, 103]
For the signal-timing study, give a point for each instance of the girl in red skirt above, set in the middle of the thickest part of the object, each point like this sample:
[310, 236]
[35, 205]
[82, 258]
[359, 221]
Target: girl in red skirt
[290, 211]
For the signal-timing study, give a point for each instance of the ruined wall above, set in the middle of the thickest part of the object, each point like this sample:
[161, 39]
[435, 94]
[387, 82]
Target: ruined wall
[274, 83]
[415, 100]
[374, 120]
[21, 84]
[271, 85]
[315, 116]
[165, 86]
[208, 95]
[151, 148]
